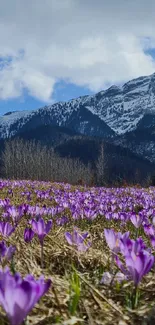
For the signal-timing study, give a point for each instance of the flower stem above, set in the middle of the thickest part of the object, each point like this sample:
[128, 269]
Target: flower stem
[42, 256]
[137, 232]
[135, 297]
[12, 266]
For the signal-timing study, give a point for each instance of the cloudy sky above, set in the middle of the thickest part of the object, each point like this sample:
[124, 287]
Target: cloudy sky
[52, 50]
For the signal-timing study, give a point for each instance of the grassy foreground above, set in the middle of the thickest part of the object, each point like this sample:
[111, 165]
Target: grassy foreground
[77, 295]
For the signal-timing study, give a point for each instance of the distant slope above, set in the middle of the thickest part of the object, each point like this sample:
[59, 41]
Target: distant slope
[142, 140]
[49, 135]
[80, 120]
[121, 163]
[121, 115]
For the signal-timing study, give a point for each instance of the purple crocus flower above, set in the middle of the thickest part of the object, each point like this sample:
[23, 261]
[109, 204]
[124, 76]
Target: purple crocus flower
[112, 239]
[136, 220]
[124, 237]
[77, 239]
[120, 277]
[40, 228]
[139, 265]
[4, 203]
[152, 240]
[6, 229]
[6, 252]
[129, 245]
[138, 259]
[121, 266]
[18, 296]
[149, 229]
[2, 249]
[61, 221]
[6, 216]
[9, 252]
[108, 278]
[15, 213]
[28, 235]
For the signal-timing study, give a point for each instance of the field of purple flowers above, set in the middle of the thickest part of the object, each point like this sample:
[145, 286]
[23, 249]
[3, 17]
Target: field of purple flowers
[76, 255]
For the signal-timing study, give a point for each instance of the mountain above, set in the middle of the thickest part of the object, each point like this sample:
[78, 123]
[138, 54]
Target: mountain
[48, 135]
[123, 107]
[73, 115]
[142, 140]
[123, 115]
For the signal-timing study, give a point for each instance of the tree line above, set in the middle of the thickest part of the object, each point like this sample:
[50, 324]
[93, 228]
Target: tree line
[30, 160]
[22, 159]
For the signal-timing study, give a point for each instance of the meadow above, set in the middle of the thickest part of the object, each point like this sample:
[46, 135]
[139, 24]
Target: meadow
[76, 255]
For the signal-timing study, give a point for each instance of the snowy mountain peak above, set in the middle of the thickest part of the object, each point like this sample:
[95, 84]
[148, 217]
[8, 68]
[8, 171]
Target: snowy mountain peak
[117, 109]
[123, 107]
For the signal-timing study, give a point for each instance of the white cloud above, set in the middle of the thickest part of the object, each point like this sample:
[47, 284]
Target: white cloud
[89, 43]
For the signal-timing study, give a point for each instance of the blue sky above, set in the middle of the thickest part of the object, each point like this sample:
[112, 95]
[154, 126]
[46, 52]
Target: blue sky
[55, 50]
[151, 52]
[62, 92]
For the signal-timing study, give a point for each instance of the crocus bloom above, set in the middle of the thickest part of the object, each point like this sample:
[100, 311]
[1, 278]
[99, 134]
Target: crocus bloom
[78, 240]
[28, 235]
[109, 278]
[18, 296]
[106, 278]
[139, 265]
[2, 249]
[6, 229]
[9, 252]
[152, 240]
[120, 277]
[6, 252]
[136, 220]
[41, 228]
[113, 239]
[129, 245]
[6, 216]
[121, 266]
[149, 230]
[15, 213]
[136, 265]
[61, 221]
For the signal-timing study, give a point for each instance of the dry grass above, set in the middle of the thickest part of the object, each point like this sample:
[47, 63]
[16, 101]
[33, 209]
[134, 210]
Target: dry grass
[98, 304]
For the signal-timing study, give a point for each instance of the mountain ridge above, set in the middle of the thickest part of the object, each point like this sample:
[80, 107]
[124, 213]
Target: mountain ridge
[117, 101]
[116, 114]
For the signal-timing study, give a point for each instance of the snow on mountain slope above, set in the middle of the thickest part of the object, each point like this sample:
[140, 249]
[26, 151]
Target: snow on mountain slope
[123, 107]
[142, 140]
[9, 120]
[117, 109]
